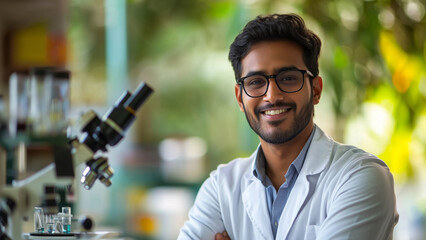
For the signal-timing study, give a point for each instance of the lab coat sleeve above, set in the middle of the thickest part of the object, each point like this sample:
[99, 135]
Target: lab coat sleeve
[205, 218]
[363, 205]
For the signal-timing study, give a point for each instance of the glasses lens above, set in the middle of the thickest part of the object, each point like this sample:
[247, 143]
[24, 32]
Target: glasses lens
[255, 85]
[290, 81]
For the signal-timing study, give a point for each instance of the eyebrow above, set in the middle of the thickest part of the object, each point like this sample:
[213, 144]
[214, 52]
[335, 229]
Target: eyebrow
[292, 67]
[251, 73]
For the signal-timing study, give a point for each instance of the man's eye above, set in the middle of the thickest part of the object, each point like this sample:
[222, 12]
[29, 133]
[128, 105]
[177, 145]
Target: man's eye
[256, 81]
[289, 78]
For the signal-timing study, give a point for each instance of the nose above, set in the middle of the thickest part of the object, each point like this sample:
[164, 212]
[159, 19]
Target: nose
[274, 93]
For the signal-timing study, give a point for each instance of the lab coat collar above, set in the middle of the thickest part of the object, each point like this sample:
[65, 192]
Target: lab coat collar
[319, 154]
[321, 149]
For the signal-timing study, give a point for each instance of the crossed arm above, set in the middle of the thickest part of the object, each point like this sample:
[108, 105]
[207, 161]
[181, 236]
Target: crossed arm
[222, 236]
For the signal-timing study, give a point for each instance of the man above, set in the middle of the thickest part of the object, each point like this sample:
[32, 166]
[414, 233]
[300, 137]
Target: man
[299, 183]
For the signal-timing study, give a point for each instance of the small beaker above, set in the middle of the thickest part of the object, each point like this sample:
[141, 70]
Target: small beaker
[50, 223]
[39, 223]
[66, 219]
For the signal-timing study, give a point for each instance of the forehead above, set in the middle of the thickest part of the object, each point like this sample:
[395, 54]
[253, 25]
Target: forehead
[270, 56]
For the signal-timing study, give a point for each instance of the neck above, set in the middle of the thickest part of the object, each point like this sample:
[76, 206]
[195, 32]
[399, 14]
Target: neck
[280, 156]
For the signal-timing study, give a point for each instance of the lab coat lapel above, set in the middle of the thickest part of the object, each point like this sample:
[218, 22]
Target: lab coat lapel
[255, 205]
[317, 159]
[295, 202]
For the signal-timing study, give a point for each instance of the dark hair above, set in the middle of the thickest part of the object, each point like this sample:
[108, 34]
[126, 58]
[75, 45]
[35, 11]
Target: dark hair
[272, 28]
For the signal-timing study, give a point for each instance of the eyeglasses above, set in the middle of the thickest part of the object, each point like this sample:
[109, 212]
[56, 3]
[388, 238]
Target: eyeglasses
[289, 81]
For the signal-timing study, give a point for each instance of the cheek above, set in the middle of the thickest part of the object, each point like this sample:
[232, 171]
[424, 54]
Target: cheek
[249, 104]
[303, 99]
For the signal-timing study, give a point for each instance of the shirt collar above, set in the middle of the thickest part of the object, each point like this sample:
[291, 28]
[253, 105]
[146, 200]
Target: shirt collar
[259, 167]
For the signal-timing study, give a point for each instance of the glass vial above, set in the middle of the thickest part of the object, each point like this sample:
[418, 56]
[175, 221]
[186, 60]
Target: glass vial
[19, 101]
[66, 219]
[39, 224]
[50, 223]
[60, 102]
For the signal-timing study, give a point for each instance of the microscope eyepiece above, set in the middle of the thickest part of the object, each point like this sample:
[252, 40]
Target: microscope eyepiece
[139, 96]
[111, 128]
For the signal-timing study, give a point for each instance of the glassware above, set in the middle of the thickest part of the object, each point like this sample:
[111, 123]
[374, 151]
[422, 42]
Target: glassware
[39, 224]
[19, 95]
[50, 223]
[65, 216]
[60, 102]
[41, 80]
[49, 100]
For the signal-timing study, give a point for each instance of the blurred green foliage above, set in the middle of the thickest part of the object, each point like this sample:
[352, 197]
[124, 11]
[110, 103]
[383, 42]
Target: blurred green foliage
[373, 64]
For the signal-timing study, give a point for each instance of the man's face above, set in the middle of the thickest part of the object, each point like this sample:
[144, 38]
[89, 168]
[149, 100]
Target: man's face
[278, 117]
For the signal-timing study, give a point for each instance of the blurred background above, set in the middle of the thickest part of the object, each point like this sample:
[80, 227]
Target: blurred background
[373, 64]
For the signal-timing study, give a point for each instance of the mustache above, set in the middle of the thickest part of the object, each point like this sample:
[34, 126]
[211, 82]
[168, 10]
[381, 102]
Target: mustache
[260, 109]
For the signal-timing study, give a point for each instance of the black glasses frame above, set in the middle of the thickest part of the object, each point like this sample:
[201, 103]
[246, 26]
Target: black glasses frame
[241, 81]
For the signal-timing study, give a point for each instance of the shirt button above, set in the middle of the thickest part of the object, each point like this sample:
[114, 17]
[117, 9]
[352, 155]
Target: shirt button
[276, 224]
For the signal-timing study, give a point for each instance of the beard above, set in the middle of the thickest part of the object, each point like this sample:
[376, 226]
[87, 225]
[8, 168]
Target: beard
[279, 136]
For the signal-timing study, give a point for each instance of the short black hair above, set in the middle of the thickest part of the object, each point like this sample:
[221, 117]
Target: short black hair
[276, 27]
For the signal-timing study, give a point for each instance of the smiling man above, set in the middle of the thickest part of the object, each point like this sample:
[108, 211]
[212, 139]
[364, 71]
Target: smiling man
[299, 183]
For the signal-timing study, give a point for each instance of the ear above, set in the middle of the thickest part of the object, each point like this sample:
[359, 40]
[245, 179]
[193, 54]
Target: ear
[317, 89]
[238, 96]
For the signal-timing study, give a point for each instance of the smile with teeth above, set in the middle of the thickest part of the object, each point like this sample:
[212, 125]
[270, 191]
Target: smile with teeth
[276, 112]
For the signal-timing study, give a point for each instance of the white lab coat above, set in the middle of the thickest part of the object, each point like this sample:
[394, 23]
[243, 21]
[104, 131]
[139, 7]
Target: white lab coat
[341, 192]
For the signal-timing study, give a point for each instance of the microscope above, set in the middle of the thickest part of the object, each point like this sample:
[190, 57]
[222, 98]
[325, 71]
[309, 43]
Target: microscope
[84, 142]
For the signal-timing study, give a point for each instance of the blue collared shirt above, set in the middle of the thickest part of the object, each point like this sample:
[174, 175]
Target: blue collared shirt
[277, 200]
